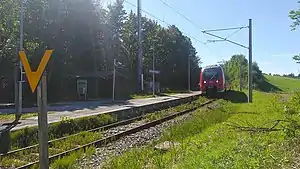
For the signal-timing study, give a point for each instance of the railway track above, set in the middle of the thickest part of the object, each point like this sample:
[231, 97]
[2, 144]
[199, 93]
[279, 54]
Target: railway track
[109, 137]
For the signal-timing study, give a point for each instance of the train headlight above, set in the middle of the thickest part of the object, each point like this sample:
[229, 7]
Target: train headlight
[204, 82]
[217, 81]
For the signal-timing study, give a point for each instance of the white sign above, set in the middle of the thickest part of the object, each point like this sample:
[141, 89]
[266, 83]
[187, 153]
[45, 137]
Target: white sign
[81, 86]
[154, 71]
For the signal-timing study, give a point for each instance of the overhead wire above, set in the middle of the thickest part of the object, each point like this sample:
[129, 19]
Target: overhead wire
[186, 18]
[150, 14]
[197, 40]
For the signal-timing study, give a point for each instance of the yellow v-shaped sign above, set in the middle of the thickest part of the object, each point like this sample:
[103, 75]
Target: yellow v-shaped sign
[34, 77]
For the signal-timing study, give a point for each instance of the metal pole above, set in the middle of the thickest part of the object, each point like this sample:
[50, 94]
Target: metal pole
[189, 73]
[140, 66]
[241, 78]
[250, 63]
[19, 100]
[114, 80]
[16, 83]
[43, 122]
[153, 75]
[142, 77]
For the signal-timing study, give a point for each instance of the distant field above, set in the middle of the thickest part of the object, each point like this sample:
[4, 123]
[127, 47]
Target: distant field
[284, 83]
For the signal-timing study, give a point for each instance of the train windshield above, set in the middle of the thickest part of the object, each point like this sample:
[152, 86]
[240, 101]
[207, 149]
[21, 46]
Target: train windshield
[211, 74]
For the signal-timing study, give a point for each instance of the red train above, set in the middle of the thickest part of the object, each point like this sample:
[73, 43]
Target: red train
[212, 80]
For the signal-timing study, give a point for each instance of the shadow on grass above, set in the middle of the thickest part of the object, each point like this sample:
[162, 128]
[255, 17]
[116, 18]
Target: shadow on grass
[235, 97]
[265, 86]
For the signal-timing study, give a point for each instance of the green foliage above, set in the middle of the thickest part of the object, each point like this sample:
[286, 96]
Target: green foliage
[29, 136]
[8, 30]
[295, 16]
[80, 30]
[233, 68]
[297, 58]
[236, 70]
[68, 161]
[291, 110]
[12, 116]
[7, 161]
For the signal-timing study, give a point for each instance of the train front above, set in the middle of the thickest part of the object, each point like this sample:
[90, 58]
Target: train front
[211, 80]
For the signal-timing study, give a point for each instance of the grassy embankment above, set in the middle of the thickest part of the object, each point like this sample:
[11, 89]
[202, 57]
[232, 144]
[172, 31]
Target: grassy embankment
[285, 84]
[207, 140]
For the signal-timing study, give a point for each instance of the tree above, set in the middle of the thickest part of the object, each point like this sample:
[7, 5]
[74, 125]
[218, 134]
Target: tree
[295, 16]
[86, 38]
[297, 58]
[8, 34]
[233, 68]
[238, 63]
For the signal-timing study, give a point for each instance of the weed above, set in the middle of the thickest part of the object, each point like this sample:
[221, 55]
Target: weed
[29, 135]
[149, 158]
[9, 162]
[68, 161]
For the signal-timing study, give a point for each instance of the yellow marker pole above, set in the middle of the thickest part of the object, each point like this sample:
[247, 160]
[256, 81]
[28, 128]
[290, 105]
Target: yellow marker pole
[43, 122]
[34, 81]
[34, 76]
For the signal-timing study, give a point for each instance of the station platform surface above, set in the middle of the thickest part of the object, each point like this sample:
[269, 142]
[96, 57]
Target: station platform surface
[89, 108]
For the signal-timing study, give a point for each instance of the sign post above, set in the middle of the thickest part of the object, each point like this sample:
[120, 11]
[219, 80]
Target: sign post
[153, 78]
[38, 78]
[43, 122]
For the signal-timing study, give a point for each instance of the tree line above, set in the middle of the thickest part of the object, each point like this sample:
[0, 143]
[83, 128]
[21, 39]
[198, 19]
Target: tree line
[236, 74]
[290, 75]
[86, 38]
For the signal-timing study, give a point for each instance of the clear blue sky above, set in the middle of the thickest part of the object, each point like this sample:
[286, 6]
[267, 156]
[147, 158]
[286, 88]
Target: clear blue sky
[274, 44]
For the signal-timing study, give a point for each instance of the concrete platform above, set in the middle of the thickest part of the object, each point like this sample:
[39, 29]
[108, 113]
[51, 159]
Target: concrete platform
[83, 109]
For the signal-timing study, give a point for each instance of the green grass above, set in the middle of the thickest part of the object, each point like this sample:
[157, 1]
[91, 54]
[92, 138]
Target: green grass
[54, 148]
[29, 135]
[64, 128]
[208, 142]
[141, 96]
[286, 84]
[12, 116]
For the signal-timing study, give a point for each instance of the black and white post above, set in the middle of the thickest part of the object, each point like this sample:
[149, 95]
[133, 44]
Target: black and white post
[43, 122]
